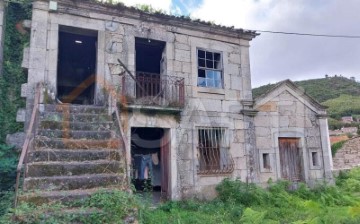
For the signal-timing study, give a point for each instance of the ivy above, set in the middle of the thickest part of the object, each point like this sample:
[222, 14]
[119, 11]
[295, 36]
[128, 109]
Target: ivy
[13, 75]
[10, 100]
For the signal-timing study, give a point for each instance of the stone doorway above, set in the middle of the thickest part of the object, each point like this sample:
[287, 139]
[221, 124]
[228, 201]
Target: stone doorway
[76, 65]
[150, 161]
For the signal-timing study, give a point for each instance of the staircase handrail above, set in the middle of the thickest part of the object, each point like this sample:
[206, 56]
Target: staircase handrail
[113, 92]
[29, 138]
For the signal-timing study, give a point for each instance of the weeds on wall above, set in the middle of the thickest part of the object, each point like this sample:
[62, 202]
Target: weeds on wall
[336, 146]
[13, 75]
[10, 100]
[237, 202]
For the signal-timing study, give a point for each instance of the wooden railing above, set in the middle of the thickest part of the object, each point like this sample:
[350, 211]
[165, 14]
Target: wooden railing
[30, 134]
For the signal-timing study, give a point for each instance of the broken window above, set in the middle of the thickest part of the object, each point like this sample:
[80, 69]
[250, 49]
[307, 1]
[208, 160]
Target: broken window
[210, 69]
[213, 151]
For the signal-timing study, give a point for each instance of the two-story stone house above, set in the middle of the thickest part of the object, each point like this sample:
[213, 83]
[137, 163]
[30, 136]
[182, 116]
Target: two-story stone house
[184, 92]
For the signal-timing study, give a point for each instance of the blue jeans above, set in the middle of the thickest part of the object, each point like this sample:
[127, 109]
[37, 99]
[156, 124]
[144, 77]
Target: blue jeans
[141, 162]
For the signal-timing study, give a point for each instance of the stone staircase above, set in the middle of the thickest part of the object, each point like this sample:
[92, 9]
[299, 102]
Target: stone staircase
[76, 152]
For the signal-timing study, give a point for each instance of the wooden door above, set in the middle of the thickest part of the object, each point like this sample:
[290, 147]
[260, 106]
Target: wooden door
[290, 159]
[165, 164]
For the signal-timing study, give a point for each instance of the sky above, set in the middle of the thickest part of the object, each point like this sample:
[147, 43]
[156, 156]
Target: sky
[275, 57]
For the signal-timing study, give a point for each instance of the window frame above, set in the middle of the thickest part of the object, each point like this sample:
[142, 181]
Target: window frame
[223, 162]
[221, 69]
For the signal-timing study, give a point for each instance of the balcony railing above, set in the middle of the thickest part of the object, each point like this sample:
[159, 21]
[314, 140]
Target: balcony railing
[154, 90]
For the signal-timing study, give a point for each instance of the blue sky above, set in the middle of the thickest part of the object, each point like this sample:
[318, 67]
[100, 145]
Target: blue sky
[184, 7]
[276, 57]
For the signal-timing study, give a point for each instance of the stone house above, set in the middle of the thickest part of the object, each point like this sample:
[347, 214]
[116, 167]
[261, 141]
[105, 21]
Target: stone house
[292, 137]
[347, 119]
[184, 90]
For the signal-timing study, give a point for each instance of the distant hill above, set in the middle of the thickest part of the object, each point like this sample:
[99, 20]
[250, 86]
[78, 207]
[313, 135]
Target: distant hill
[322, 89]
[340, 94]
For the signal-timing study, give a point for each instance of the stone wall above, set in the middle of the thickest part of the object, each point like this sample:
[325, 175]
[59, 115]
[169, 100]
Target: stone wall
[285, 115]
[348, 156]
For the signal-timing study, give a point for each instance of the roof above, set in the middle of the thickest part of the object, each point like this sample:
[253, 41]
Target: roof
[295, 90]
[119, 9]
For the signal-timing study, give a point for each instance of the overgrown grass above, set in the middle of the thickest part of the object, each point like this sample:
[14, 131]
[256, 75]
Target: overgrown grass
[336, 146]
[237, 202]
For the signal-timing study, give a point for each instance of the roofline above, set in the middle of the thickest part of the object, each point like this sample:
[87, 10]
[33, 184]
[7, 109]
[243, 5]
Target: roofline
[292, 85]
[181, 21]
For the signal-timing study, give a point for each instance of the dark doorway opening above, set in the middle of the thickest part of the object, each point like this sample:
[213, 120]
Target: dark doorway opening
[76, 65]
[150, 161]
[150, 64]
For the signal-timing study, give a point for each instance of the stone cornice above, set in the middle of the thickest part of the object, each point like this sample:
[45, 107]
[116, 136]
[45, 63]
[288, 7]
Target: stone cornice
[249, 112]
[76, 6]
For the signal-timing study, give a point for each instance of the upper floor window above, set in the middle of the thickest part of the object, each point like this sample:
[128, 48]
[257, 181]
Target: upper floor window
[210, 69]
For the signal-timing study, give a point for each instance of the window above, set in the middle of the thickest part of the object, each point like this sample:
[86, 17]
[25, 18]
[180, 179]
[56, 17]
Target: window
[213, 151]
[266, 161]
[209, 69]
[315, 160]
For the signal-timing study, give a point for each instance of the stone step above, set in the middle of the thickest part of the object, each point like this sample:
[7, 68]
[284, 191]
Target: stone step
[43, 197]
[60, 183]
[73, 168]
[80, 117]
[73, 155]
[61, 143]
[91, 109]
[67, 125]
[75, 134]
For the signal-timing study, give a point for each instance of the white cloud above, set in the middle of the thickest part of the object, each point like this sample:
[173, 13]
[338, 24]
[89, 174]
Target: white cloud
[277, 57]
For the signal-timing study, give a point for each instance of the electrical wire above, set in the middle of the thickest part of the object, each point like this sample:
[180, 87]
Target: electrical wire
[309, 34]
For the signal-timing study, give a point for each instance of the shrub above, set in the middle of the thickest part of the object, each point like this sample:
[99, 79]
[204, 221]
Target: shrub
[240, 192]
[336, 146]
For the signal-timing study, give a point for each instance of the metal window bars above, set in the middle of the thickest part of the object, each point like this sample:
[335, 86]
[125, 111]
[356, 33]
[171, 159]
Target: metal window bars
[213, 151]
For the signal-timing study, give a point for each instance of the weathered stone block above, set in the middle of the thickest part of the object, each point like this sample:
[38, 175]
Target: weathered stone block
[234, 58]
[263, 131]
[186, 67]
[17, 139]
[21, 115]
[264, 142]
[284, 122]
[26, 55]
[182, 55]
[181, 38]
[239, 136]
[182, 46]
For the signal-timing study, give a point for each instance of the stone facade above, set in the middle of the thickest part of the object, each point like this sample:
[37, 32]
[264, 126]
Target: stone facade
[287, 112]
[229, 108]
[348, 156]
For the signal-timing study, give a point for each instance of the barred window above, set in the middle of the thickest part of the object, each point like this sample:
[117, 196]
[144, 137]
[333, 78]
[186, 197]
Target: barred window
[213, 151]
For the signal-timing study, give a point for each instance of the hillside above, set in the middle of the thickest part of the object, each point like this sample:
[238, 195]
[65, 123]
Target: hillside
[340, 94]
[344, 105]
[322, 89]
